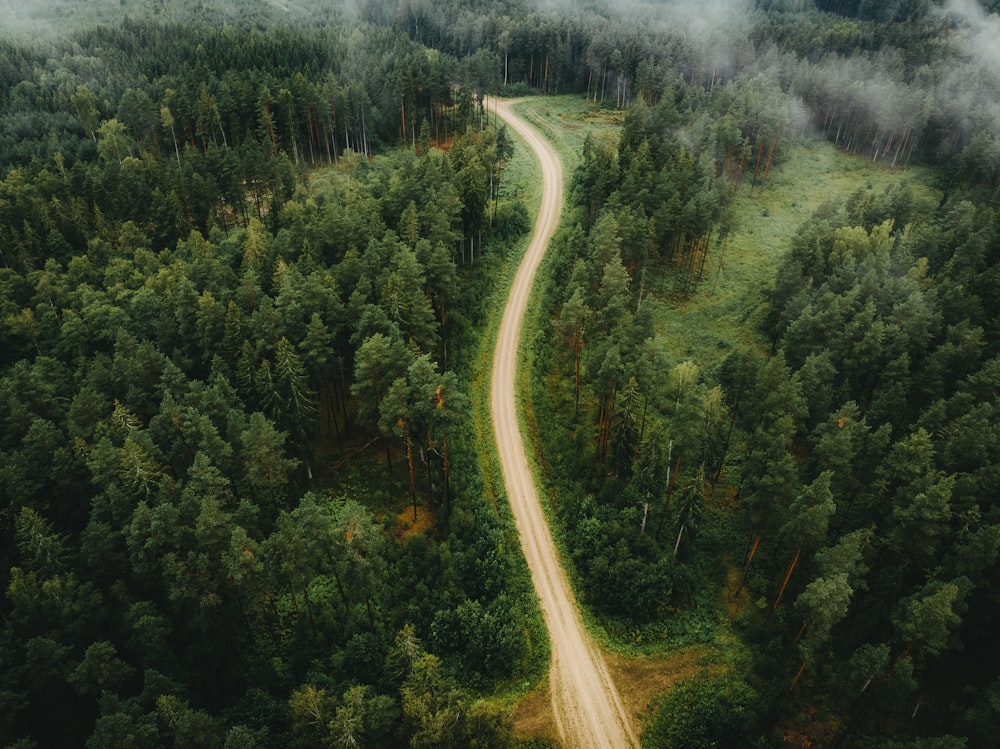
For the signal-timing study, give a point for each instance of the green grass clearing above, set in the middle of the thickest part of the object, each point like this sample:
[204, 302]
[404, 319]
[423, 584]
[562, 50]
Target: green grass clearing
[565, 121]
[705, 324]
[722, 311]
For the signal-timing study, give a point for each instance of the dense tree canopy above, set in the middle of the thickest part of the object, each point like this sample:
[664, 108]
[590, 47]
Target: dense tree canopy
[842, 464]
[202, 344]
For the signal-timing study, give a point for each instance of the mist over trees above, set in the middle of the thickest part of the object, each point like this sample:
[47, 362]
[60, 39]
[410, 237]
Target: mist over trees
[230, 393]
[364, 76]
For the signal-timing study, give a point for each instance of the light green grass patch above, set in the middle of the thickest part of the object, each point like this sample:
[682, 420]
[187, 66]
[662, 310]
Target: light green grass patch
[720, 312]
[565, 121]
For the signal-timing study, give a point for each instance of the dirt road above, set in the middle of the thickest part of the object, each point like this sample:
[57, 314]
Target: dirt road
[588, 710]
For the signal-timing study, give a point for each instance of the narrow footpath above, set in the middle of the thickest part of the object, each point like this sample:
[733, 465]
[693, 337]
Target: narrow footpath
[587, 707]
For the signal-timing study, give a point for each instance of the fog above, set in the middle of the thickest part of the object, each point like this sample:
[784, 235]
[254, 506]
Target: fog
[715, 29]
[708, 39]
[977, 33]
[967, 89]
[51, 18]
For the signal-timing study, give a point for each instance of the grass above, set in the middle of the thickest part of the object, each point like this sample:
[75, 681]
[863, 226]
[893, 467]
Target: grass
[720, 314]
[522, 181]
[638, 678]
[565, 121]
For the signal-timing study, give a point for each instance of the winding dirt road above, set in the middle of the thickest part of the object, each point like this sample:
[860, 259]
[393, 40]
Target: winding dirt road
[588, 710]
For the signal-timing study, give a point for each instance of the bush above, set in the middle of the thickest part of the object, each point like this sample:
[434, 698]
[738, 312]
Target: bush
[512, 221]
[705, 711]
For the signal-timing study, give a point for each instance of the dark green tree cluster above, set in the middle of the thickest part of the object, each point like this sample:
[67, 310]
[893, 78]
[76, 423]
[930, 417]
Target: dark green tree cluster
[891, 80]
[705, 712]
[858, 442]
[223, 100]
[642, 433]
[870, 498]
[219, 384]
[179, 128]
[208, 428]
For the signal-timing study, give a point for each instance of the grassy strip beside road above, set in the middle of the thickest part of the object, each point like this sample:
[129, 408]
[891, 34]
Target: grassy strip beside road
[705, 324]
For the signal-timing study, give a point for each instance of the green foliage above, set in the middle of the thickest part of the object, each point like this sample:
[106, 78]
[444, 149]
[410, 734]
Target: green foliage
[183, 319]
[704, 711]
[197, 350]
[856, 446]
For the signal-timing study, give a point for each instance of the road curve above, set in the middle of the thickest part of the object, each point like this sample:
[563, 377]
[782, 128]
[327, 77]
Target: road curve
[588, 710]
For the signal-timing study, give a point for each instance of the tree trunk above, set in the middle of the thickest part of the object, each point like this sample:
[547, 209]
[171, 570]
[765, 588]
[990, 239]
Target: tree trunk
[746, 567]
[447, 485]
[426, 458]
[409, 463]
[309, 610]
[767, 165]
[343, 394]
[177, 150]
[402, 114]
[791, 689]
[332, 403]
[576, 370]
[722, 254]
[784, 583]
[756, 166]
[340, 584]
[802, 631]
[671, 480]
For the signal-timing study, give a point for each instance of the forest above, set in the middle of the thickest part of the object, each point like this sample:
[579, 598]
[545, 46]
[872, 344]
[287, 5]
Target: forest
[250, 259]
